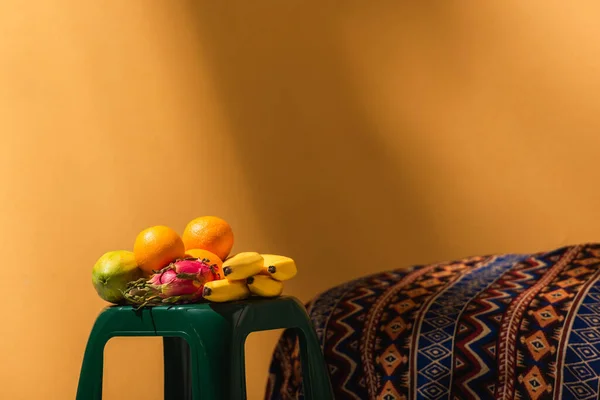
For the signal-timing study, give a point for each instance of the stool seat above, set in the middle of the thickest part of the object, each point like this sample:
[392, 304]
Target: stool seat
[215, 334]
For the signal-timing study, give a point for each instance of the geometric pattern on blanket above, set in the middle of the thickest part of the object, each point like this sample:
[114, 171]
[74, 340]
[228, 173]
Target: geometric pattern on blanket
[510, 326]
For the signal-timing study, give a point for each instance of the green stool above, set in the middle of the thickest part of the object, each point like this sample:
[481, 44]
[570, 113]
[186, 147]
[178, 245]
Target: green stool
[215, 334]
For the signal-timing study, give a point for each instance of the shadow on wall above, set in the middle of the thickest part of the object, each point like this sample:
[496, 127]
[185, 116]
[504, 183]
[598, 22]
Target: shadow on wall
[328, 191]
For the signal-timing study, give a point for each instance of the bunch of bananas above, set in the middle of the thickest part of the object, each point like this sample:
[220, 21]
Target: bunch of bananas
[251, 273]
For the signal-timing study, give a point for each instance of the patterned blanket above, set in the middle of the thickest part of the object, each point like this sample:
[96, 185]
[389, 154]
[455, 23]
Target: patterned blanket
[490, 327]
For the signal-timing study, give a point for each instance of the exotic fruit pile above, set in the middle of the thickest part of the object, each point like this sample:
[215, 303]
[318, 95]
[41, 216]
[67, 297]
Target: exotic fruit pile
[165, 268]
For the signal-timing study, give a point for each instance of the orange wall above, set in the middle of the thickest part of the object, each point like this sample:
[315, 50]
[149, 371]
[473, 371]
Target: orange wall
[355, 137]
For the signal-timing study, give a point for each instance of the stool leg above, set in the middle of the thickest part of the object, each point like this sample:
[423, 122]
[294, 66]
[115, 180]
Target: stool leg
[90, 378]
[237, 369]
[177, 369]
[212, 354]
[208, 336]
[276, 314]
[112, 321]
[315, 376]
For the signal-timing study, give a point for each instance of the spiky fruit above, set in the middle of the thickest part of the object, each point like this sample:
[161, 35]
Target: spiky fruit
[180, 282]
[208, 257]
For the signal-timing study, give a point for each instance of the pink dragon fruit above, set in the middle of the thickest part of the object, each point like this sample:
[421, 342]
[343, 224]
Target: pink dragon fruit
[180, 282]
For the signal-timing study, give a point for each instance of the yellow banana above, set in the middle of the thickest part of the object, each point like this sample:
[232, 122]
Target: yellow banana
[280, 268]
[242, 265]
[224, 290]
[264, 286]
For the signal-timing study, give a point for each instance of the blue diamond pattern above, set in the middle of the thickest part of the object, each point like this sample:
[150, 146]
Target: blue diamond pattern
[581, 391]
[437, 336]
[592, 320]
[586, 351]
[436, 371]
[591, 335]
[435, 352]
[582, 371]
[594, 297]
[595, 308]
[432, 391]
[583, 350]
[434, 361]
[440, 322]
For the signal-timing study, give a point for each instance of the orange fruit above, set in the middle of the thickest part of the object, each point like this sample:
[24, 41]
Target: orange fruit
[209, 233]
[212, 258]
[156, 247]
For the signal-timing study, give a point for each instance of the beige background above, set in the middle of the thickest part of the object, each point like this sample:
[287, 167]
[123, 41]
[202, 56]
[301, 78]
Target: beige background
[354, 136]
